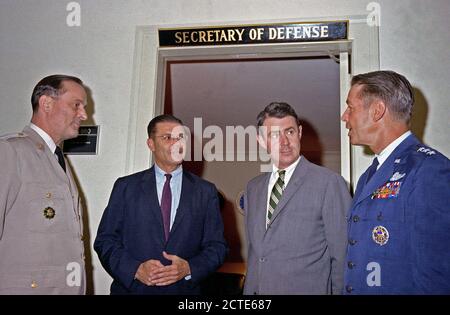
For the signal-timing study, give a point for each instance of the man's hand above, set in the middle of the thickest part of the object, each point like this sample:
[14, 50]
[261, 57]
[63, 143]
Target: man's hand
[166, 275]
[146, 271]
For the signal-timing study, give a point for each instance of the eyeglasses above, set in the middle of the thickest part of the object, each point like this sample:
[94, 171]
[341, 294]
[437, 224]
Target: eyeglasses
[172, 138]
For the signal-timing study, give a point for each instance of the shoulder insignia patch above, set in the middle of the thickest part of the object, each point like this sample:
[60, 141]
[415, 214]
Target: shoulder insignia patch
[13, 136]
[426, 151]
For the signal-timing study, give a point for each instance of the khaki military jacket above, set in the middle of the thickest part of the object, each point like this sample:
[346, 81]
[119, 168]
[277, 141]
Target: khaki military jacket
[41, 246]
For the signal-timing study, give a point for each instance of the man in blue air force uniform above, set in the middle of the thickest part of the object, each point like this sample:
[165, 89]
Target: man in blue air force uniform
[399, 222]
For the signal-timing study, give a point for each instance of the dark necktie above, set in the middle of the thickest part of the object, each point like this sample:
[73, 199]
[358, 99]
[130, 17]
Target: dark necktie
[60, 155]
[372, 169]
[166, 205]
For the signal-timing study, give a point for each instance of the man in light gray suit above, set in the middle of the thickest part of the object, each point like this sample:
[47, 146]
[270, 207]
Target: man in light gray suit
[41, 242]
[294, 216]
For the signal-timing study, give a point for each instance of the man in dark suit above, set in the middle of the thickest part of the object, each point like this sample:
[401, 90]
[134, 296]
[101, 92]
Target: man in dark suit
[162, 232]
[294, 216]
[399, 224]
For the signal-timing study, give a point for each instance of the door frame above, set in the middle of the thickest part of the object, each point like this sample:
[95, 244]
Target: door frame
[358, 54]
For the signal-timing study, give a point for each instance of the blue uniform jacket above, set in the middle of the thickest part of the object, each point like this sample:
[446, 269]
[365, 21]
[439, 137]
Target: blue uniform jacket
[399, 225]
[131, 232]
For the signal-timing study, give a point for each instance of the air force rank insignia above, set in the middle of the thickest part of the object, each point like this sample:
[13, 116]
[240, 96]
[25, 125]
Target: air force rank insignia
[425, 150]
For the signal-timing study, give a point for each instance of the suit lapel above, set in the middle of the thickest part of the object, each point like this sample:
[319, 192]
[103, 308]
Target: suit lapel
[73, 190]
[384, 172]
[44, 153]
[149, 200]
[186, 201]
[296, 181]
[377, 180]
[261, 207]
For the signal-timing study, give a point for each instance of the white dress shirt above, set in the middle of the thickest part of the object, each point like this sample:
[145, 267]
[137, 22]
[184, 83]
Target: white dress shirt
[390, 148]
[274, 177]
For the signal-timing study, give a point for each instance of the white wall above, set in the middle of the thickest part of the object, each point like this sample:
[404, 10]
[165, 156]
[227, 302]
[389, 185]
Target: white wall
[35, 41]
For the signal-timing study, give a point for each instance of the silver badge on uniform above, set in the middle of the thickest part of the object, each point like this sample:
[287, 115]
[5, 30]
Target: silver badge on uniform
[397, 176]
[49, 213]
[380, 235]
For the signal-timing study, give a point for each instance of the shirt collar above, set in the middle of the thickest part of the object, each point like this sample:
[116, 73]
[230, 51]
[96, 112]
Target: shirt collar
[287, 169]
[390, 148]
[48, 140]
[160, 173]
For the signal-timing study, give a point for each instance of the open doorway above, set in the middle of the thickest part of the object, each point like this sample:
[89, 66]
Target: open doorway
[228, 93]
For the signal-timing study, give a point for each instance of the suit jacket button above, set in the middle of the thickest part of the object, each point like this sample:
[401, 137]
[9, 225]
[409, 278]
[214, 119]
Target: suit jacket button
[351, 264]
[355, 218]
[348, 288]
[352, 242]
[48, 195]
[34, 285]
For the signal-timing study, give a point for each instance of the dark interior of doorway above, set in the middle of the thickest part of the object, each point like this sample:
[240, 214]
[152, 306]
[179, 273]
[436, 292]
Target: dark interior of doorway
[231, 92]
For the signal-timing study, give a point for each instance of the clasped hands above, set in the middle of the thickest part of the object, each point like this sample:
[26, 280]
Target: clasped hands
[153, 273]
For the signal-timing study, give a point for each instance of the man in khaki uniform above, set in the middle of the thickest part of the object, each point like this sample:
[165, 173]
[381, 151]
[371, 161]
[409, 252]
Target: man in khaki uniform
[41, 247]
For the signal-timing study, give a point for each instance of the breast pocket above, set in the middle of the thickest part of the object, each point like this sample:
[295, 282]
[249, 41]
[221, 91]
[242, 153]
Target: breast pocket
[48, 210]
[388, 228]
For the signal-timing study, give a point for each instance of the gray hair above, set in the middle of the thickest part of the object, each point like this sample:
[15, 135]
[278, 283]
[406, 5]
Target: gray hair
[390, 87]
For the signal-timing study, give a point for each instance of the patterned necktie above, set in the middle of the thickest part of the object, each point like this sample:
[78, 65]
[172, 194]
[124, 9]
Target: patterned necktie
[275, 195]
[166, 205]
[60, 156]
[372, 169]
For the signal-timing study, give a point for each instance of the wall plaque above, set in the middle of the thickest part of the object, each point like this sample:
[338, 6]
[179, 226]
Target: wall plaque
[255, 34]
[85, 143]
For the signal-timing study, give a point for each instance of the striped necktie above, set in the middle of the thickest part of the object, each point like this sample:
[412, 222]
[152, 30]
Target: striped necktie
[275, 195]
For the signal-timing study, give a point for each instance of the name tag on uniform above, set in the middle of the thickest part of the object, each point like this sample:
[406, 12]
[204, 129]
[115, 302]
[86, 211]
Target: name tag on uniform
[388, 190]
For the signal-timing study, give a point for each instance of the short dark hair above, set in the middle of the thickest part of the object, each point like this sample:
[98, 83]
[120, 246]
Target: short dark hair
[151, 128]
[392, 88]
[50, 86]
[277, 110]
